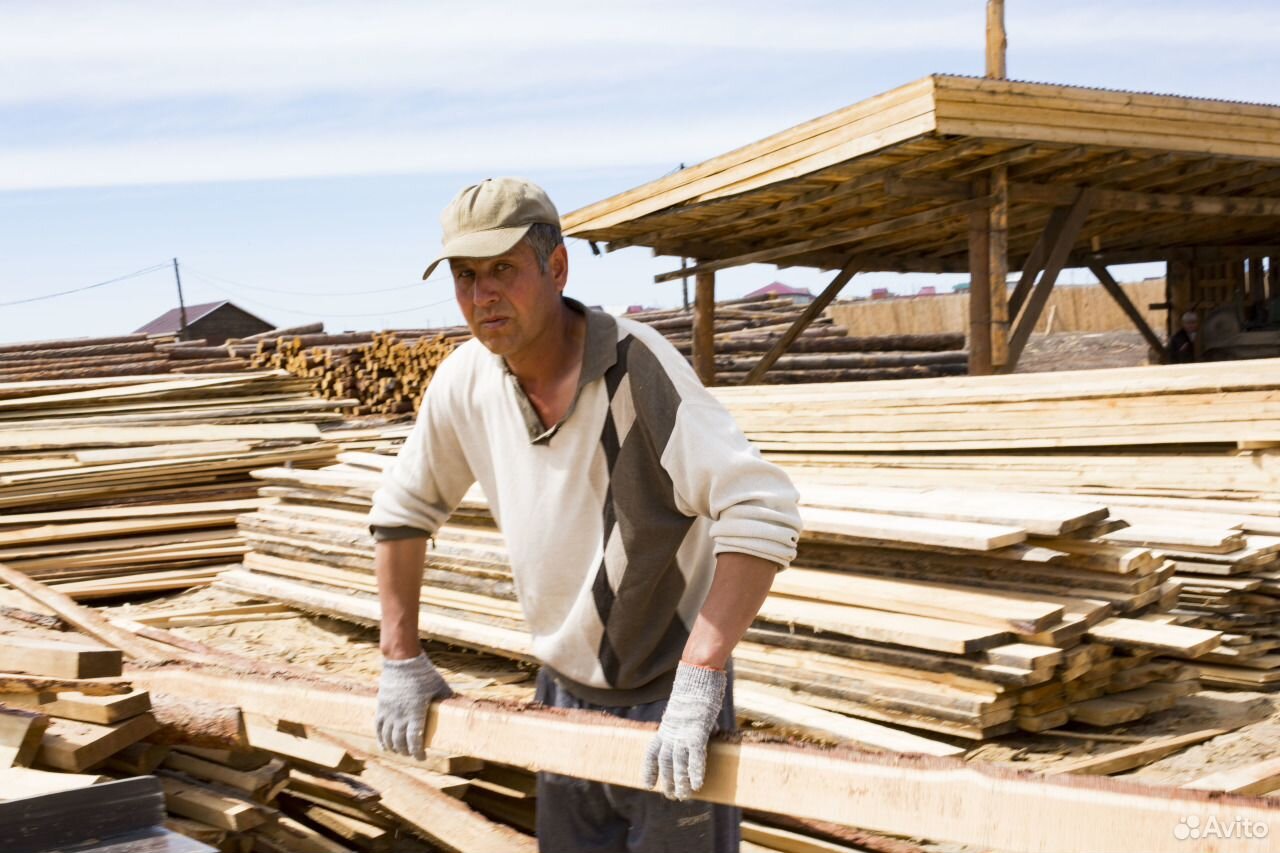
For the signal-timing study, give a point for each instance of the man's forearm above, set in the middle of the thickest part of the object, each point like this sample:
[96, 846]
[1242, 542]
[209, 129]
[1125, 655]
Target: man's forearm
[398, 566]
[738, 590]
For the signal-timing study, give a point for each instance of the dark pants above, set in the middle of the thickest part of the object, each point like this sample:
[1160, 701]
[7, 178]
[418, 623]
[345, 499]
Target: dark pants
[577, 816]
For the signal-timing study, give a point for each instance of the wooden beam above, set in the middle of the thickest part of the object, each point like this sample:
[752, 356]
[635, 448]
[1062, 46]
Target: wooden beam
[943, 799]
[998, 259]
[873, 229]
[979, 285]
[1139, 755]
[87, 620]
[1054, 262]
[704, 327]
[1135, 316]
[1140, 202]
[997, 41]
[811, 312]
[1034, 263]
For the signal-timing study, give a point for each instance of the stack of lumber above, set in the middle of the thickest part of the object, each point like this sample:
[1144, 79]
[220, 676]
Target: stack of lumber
[125, 355]
[1009, 614]
[1187, 457]
[131, 484]
[249, 754]
[745, 329]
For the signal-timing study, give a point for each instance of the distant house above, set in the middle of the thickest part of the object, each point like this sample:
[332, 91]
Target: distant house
[880, 293]
[927, 290]
[212, 321]
[798, 295]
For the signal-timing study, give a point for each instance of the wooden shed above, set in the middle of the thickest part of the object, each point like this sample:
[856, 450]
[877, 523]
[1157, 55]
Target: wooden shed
[993, 177]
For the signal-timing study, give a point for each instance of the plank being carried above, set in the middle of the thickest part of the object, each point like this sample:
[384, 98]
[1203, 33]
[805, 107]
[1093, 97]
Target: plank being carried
[920, 796]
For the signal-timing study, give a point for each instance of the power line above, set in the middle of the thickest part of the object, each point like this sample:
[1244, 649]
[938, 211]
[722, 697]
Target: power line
[234, 283]
[134, 274]
[253, 300]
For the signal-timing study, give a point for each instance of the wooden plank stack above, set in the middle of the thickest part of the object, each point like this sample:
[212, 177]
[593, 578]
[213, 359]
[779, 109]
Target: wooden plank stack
[125, 355]
[131, 484]
[1006, 614]
[1185, 456]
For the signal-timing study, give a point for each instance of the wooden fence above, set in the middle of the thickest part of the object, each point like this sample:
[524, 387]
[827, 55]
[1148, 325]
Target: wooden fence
[1071, 308]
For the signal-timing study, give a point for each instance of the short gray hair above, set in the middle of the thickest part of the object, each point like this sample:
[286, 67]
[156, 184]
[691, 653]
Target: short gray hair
[543, 238]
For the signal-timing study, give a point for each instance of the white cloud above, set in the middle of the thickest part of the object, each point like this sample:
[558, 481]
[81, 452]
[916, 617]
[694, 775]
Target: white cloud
[456, 149]
[128, 51]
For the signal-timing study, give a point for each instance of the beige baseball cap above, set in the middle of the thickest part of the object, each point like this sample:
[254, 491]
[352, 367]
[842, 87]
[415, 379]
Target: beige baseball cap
[488, 218]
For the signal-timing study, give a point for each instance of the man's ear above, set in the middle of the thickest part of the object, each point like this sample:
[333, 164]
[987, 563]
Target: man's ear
[558, 266]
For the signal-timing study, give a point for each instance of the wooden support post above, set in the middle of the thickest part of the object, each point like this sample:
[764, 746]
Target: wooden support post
[1273, 284]
[1035, 261]
[997, 40]
[1056, 259]
[811, 312]
[979, 286]
[704, 327]
[1122, 299]
[998, 265]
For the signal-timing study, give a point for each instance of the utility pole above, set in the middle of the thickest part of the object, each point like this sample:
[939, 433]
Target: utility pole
[182, 306]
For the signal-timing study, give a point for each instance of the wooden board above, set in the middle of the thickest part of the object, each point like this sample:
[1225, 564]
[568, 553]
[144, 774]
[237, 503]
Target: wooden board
[75, 746]
[918, 796]
[59, 659]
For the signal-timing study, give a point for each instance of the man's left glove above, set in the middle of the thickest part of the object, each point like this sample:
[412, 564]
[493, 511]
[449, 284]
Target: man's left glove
[405, 690]
[677, 755]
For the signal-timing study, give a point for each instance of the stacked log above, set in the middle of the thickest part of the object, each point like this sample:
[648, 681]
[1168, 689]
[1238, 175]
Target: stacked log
[386, 372]
[126, 355]
[1014, 615]
[110, 486]
[745, 329]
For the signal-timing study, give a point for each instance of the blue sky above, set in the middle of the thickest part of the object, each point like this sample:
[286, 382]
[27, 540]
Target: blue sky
[295, 155]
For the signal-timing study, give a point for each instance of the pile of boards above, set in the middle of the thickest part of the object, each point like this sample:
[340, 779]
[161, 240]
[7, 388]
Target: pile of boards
[122, 485]
[241, 759]
[1188, 457]
[125, 355]
[963, 614]
[745, 329]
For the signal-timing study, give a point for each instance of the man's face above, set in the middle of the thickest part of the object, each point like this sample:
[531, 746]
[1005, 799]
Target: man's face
[1191, 324]
[508, 300]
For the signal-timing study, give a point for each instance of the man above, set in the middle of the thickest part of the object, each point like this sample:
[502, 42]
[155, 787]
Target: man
[643, 530]
[1182, 346]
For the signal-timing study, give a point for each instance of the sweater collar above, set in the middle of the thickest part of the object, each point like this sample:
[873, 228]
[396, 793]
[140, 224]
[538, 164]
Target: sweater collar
[599, 354]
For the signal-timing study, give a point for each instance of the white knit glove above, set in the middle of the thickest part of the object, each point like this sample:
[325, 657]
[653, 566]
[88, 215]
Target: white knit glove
[405, 689]
[677, 755]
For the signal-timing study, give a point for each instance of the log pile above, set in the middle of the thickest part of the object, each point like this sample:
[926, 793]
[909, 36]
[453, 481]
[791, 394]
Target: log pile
[125, 355]
[131, 484]
[745, 329]
[387, 372]
[1012, 614]
[1187, 457]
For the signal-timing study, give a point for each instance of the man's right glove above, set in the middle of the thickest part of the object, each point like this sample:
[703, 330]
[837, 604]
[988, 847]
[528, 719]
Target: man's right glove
[405, 689]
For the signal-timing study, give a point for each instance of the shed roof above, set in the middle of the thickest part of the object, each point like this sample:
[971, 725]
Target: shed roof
[890, 179]
[171, 320]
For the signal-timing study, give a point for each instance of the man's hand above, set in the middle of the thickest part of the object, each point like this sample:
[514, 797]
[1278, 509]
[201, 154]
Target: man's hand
[677, 755]
[405, 690]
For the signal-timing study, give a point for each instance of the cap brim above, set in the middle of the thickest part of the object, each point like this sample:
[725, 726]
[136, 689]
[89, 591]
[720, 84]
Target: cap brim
[480, 244]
